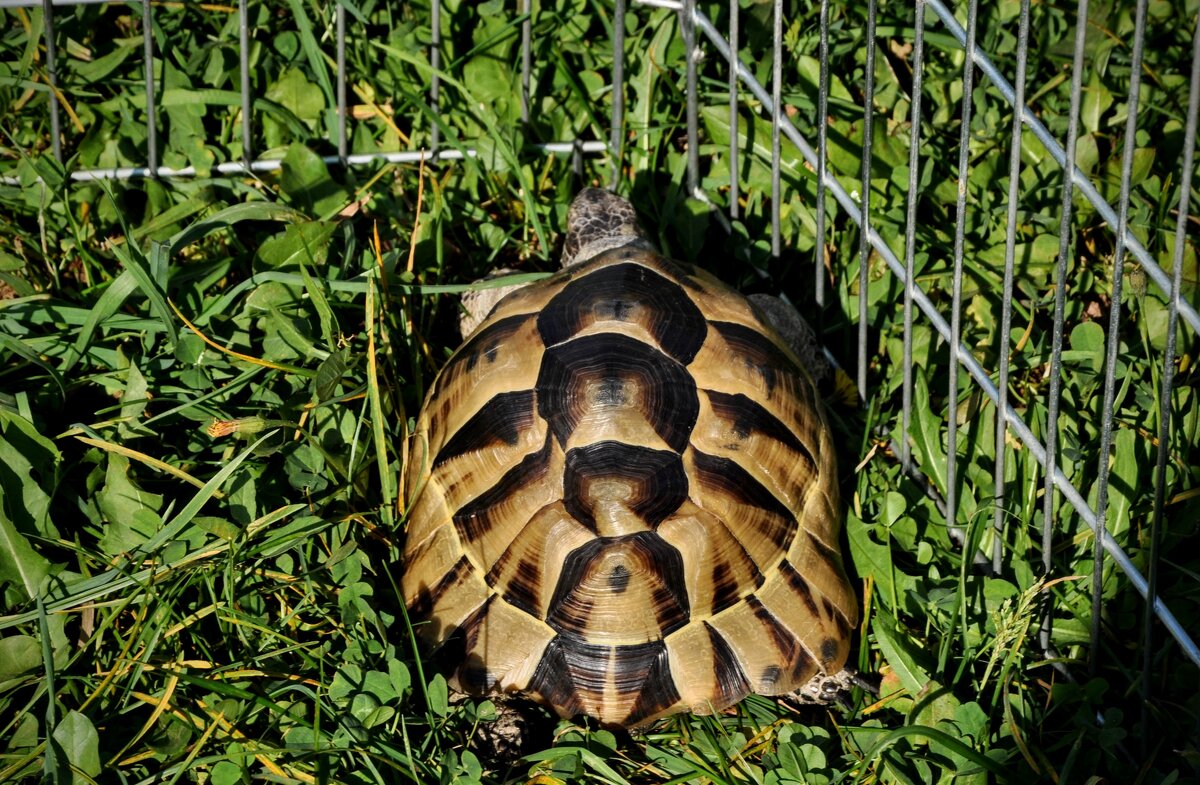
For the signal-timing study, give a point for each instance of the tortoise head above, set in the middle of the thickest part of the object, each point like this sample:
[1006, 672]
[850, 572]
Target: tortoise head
[597, 221]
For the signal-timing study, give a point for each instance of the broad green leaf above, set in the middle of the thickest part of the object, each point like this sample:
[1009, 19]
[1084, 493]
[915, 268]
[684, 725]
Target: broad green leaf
[296, 94]
[1124, 480]
[79, 740]
[181, 97]
[1096, 100]
[306, 180]
[312, 48]
[10, 263]
[901, 654]
[29, 464]
[131, 513]
[329, 375]
[20, 564]
[299, 244]
[926, 432]
[225, 772]
[438, 695]
[1087, 346]
[19, 654]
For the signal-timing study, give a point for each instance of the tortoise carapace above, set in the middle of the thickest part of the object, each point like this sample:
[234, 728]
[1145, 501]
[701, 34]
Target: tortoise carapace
[623, 495]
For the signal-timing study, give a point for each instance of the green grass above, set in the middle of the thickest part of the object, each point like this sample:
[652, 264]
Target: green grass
[205, 388]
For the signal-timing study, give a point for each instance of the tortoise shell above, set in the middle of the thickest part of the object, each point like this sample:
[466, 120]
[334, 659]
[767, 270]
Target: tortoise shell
[623, 500]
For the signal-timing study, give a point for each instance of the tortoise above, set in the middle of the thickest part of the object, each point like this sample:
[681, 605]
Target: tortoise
[622, 492]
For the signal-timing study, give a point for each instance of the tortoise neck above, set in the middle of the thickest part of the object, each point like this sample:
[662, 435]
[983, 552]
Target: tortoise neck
[593, 248]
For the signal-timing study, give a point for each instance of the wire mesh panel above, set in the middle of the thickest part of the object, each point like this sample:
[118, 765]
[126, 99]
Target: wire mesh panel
[1077, 485]
[966, 198]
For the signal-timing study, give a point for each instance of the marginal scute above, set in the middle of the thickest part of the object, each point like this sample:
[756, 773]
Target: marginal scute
[621, 496]
[499, 648]
[629, 683]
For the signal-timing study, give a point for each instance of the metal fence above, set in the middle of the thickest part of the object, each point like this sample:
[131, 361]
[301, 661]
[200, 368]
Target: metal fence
[744, 88]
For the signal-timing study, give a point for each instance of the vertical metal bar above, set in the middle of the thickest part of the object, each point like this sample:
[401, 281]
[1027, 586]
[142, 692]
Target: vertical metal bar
[1168, 376]
[616, 139]
[52, 75]
[864, 245]
[910, 226]
[148, 62]
[341, 81]
[822, 156]
[776, 119]
[960, 225]
[526, 56]
[435, 84]
[1114, 328]
[244, 58]
[688, 23]
[1010, 247]
[734, 14]
[1064, 250]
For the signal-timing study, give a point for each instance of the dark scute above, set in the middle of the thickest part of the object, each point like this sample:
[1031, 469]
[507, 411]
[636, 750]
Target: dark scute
[426, 598]
[657, 685]
[805, 665]
[830, 555]
[770, 676]
[782, 639]
[757, 352]
[455, 653]
[522, 590]
[791, 650]
[726, 590]
[731, 681]
[657, 476]
[829, 650]
[569, 611]
[670, 401]
[727, 476]
[839, 618]
[475, 679]
[618, 579]
[473, 519]
[484, 344]
[500, 421]
[558, 672]
[473, 675]
[610, 294]
[570, 666]
[747, 417]
[797, 583]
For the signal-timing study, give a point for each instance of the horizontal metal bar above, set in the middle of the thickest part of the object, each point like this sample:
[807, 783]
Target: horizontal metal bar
[964, 356]
[1082, 182]
[32, 3]
[237, 167]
